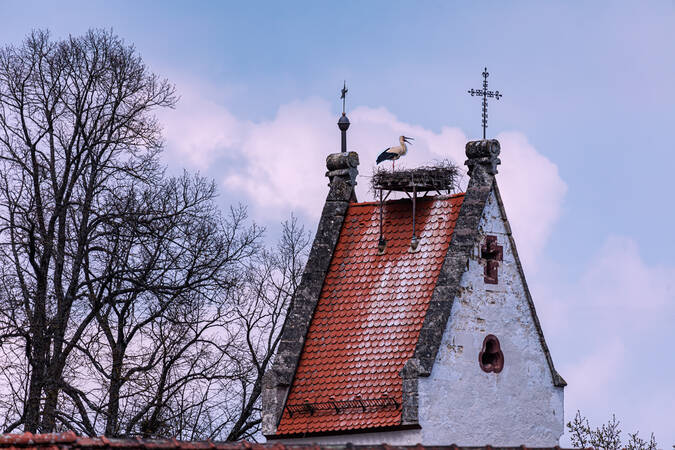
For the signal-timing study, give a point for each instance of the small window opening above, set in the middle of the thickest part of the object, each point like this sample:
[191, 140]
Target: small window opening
[491, 358]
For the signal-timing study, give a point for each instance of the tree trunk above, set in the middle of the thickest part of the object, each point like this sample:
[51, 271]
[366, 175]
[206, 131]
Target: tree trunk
[38, 350]
[32, 407]
[111, 426]
[49, 409]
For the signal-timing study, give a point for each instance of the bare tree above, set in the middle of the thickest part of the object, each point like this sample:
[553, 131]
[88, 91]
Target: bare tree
[227, 407]
[262, 302]
[75, 127]
[607, 436]
[166, 267]
[128, 304]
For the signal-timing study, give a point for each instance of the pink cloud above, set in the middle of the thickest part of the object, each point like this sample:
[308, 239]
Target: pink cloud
[279, 164]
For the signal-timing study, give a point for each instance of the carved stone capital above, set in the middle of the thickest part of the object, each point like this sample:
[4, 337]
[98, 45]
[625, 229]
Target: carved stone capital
[342, 166]
[483, 154]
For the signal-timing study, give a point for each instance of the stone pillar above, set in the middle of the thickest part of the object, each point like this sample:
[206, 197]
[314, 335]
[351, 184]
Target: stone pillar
[410, 399]
[342, 173]
[482, 162]
[484, 156]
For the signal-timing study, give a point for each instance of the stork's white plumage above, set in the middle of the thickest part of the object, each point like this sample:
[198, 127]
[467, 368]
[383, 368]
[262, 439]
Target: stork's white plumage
[394, 153]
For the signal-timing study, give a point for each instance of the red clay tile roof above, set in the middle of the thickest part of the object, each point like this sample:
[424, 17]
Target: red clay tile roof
[70, 441]
[369, 315]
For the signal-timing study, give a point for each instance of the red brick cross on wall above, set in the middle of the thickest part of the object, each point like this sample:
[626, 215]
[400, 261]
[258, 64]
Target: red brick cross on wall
[492, 254]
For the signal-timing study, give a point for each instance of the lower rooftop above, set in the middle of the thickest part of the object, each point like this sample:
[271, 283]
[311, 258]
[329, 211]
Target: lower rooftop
[69, 440]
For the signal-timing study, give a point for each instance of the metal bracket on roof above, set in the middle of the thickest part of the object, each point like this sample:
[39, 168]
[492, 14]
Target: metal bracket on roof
[422, 180]
[386, 398]
[363, 406]
[332, 401]
[382, 243]
[342, 406]
[414, 242]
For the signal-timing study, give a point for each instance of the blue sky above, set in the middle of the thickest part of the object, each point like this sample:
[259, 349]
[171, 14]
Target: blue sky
[585, 124]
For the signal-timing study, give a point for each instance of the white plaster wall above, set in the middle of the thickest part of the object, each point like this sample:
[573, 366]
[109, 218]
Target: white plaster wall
[403, 437]
[461, 404]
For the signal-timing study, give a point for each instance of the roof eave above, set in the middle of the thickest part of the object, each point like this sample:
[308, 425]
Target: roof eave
[401, 427]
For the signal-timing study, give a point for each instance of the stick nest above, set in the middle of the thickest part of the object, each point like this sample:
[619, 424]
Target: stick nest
[441, 176]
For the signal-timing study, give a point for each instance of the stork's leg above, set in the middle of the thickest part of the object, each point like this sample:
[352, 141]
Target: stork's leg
[393, 165]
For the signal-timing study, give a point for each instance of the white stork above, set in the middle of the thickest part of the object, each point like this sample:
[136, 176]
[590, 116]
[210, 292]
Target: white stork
[394, 153]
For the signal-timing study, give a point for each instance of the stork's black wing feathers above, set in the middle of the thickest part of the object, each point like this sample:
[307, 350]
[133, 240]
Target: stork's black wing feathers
[385, 155]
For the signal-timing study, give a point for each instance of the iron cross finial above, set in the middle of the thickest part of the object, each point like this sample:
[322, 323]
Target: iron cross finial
[485, 94]
[343, 96]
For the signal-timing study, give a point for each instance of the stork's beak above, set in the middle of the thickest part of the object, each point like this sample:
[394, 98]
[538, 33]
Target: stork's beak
[406, 139]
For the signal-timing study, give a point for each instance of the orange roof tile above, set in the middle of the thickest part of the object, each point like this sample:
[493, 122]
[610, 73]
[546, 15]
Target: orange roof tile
[70, 441]
[369, 315]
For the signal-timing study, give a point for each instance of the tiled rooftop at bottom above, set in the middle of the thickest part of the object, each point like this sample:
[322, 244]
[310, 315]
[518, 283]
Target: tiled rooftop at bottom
[70, 441]
[370, 312]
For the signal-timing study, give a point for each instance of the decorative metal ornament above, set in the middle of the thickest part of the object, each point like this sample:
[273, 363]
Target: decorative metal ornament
[485, 94]
[343, 122]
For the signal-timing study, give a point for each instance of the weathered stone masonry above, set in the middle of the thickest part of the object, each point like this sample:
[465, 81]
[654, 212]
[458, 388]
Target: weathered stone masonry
[342, 172]
[482, 162]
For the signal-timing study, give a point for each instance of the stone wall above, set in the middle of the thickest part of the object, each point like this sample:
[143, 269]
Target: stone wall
[459, 402]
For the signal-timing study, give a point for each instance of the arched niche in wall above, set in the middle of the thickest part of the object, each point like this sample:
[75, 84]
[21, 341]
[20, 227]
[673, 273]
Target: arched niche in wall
[491, 358]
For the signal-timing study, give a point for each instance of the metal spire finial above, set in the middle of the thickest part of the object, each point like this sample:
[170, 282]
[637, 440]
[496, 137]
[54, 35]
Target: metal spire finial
[485, 94]
[343, 96]
[343, 123]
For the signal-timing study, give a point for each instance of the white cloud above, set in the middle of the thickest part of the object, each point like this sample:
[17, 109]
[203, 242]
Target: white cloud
[200, 129]
[279, 164]
[621, 282]
[617, 294]
[612, 328]
[533, 193]
[284, 159]
[588, 379]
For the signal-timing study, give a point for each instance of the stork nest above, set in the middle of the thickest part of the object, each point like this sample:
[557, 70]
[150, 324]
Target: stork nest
[441, 176]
